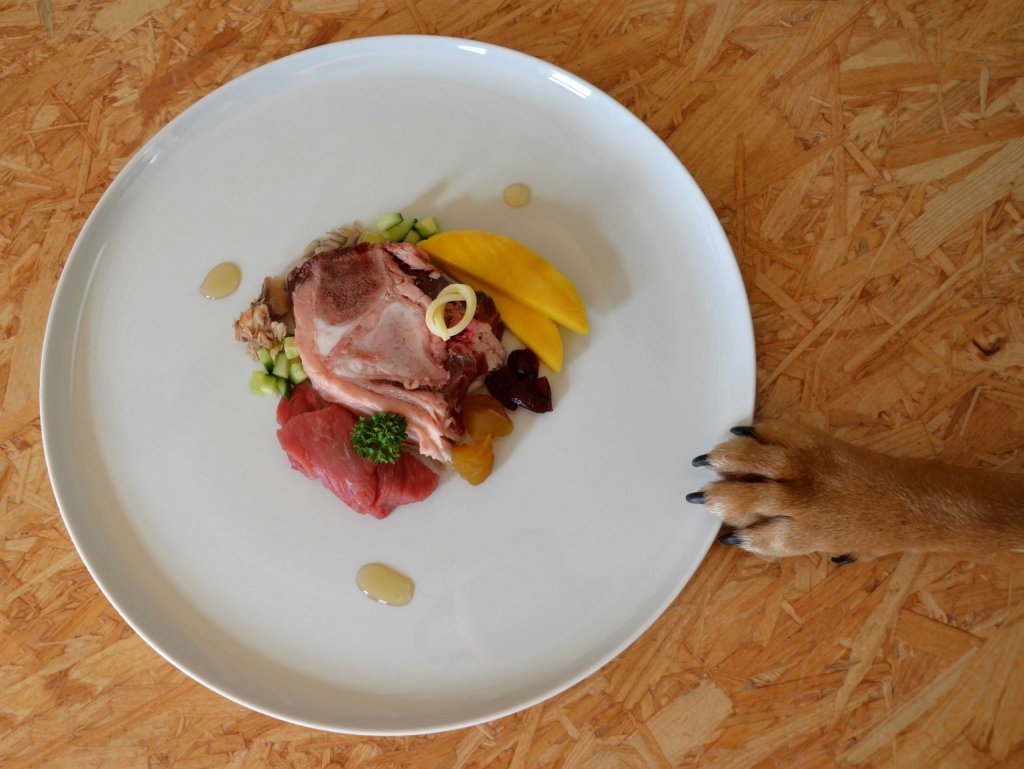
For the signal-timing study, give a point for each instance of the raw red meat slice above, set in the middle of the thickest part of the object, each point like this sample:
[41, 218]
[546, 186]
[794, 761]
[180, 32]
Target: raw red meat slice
[318, 443]
[302, 399]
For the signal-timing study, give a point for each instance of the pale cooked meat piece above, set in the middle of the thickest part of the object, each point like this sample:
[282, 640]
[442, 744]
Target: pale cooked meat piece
[360, 332]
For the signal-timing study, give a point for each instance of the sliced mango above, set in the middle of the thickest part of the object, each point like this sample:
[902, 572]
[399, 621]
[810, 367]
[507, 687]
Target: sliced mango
[536, 331]
[500, 264]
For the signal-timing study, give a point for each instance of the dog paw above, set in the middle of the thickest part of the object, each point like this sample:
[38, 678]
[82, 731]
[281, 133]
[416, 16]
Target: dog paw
[786, 490]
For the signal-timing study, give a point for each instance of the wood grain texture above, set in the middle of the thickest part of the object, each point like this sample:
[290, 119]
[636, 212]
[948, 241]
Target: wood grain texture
[866, 158]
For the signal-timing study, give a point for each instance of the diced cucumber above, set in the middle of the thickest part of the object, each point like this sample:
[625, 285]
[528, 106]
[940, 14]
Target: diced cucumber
[256, 382]
[284, 387]
[400, 230]
[412, 237]
[261, 383]
[427, 227]
[369, 236]
[290, 350]
[281, 365]
[296, 373]
[264, 355]
[388, 221]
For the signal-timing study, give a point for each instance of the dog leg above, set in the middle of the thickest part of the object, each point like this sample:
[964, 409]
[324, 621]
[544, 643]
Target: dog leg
[787, 490]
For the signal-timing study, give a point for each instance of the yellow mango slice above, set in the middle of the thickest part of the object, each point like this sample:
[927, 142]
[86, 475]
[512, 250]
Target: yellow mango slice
[501, 264]
[536, 331]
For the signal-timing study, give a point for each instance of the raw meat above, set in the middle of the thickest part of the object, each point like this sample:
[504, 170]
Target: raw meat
[316, 437]
[302, 399]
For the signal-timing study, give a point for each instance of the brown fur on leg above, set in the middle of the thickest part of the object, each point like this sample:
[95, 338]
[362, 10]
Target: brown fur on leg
[789, 489]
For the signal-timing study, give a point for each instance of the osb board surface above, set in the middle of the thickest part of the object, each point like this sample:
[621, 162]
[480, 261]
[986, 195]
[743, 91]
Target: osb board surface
[867, 161]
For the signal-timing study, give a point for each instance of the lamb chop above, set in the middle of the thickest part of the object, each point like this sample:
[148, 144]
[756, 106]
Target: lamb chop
[361, 335]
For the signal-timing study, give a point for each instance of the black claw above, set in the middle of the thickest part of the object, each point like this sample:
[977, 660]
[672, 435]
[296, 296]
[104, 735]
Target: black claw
[743, 431]
[842, 560]
[730, 539]
[695, 497]
[701, 461]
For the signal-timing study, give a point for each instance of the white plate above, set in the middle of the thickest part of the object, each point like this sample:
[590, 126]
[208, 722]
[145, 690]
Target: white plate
[239, 570]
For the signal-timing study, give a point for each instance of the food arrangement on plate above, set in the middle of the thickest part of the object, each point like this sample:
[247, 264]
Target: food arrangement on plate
[385, 348]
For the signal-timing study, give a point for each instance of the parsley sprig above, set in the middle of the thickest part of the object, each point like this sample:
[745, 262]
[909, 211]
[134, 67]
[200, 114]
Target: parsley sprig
[379, 437]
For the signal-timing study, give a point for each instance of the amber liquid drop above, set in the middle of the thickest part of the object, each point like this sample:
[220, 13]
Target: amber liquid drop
[517, 195]
[385, 585]
[221, 281]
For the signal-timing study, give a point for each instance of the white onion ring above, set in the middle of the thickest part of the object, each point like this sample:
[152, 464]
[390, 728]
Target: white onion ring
[454, 292]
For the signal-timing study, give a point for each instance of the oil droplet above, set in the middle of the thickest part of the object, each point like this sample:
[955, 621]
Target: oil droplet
[517, 195]
[221, 281]
[385, 585]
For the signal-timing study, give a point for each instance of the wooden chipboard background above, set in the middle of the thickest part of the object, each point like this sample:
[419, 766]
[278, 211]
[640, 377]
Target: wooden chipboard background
[866, 158]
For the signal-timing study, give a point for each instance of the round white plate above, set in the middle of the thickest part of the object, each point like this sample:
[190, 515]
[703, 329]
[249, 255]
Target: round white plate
[239, 570]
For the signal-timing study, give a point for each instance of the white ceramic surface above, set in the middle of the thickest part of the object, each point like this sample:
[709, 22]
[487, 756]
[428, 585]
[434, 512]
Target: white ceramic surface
[242, 572]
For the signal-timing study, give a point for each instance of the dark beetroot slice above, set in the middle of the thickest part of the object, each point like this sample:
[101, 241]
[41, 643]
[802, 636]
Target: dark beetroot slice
[533, 394]
[524, 363]
[500, 383]
[513, 391]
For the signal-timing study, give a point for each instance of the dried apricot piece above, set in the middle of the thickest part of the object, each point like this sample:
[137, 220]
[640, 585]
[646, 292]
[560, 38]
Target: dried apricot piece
[483, 415]
[474, 461]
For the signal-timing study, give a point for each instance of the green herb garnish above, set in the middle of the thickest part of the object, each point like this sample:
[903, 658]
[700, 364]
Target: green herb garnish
[379, 437]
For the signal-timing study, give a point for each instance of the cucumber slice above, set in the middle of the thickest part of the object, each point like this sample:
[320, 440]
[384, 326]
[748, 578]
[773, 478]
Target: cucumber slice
[427, 227]
[412, 237]
[284, 387]
[290, 350]
[281, 365]
[369, 236]
[262, 383]
[388, 221]
[296, 373]
[256, 382]
[269, 386]
[264, 355]
[400, 230]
